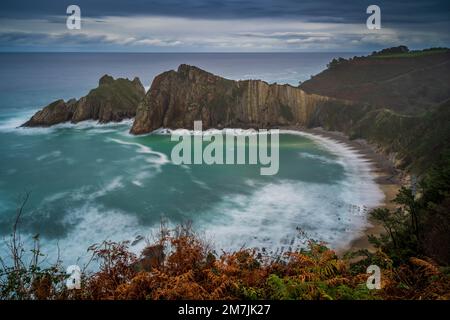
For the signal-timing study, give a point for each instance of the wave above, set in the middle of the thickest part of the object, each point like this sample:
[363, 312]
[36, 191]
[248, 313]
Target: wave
[155, 161]
[274, 216]
[280, 216]
[53, 154]
[160, 158]
[113, 185]
[13, 125]
[208, 132]
[320, 158]
[89, 224]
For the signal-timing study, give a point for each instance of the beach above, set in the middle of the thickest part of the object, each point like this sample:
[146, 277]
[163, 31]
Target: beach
[388, 178]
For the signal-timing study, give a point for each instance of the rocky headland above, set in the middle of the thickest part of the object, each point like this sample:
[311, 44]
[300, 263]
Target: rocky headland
[113, 100]
[397, 100]
[177, 98]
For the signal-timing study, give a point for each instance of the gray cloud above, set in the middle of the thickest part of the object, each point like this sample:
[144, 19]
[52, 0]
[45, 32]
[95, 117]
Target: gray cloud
[344, 11]
[80, 39]
[230, 25]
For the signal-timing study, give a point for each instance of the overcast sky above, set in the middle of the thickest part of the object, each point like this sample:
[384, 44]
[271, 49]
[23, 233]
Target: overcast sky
[222, 26]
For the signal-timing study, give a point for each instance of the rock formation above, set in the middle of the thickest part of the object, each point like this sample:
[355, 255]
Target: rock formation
[177, 98]
[392, 98]
[112, 100]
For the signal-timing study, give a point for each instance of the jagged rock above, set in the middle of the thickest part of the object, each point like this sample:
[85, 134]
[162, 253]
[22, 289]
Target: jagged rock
[112, 100]
[177, 98]
[56, 112]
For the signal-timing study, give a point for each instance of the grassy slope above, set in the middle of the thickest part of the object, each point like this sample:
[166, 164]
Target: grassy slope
[408, 83]
[400, 104]
[121, 93]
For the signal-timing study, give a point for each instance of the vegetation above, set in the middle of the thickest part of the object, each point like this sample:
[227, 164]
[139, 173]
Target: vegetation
[394, 52]
[406, 82]
[179, 265]
[404, 52]
[413, 253]
[421, 220]
[335, 62]
[403, 135]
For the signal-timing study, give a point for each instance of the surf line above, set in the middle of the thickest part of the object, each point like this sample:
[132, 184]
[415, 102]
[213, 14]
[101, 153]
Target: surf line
[191, 149]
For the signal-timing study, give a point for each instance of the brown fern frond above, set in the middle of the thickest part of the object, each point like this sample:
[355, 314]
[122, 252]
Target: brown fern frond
[427, 267]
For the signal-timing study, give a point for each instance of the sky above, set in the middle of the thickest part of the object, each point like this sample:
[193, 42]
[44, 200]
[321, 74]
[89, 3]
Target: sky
[222, 26]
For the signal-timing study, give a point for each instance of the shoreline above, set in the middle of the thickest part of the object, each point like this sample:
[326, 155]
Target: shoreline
[386, 176]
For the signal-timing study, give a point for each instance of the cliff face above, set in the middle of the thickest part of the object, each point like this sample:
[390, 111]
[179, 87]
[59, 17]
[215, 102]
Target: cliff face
[409, 82]
[177, 98]
[112, 100]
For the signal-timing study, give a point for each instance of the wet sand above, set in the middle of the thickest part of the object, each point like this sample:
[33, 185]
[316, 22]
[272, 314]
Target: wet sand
[386, 176]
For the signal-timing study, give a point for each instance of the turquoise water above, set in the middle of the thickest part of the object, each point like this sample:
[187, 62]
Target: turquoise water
[91, 182]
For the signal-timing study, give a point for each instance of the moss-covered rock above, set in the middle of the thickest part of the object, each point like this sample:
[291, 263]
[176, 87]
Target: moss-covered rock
[112, 100]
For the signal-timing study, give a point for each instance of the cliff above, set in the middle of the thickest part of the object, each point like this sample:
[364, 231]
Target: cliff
[398, 100]
[409, 82]
[112, 100]
[384, 117]
[177, 98]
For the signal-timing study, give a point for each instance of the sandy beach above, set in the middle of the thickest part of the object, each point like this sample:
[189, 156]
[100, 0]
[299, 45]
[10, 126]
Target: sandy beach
[386, 176]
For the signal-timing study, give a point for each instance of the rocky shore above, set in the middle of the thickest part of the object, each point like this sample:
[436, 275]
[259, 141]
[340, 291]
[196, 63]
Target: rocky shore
[387, 176]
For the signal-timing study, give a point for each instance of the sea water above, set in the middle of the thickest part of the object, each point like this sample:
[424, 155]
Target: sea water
[90, 182]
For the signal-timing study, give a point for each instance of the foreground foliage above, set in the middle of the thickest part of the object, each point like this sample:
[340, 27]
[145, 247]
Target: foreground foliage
[413, 256]
[181, 266]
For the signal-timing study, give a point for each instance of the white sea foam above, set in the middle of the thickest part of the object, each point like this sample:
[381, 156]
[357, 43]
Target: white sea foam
[271, 215]
[268, 217]
[53, 154]
[90, 224]
[152, 165]
[208, 132]
[95, 224]
[160, 158]
[319, 158]
[55, 197]
[137, 183]
[113, 185]
[12, 125]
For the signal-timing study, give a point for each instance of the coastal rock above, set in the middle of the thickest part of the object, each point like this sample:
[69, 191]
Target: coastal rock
[56, 112]
[112, 100]
[177, 98]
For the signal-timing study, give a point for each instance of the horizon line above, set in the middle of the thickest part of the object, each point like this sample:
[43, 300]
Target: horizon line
[190, 52]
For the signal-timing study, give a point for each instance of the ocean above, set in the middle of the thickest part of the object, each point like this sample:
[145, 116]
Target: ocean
[90, 182]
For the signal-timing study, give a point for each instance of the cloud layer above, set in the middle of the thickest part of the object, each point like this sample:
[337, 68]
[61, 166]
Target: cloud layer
[264, 25]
